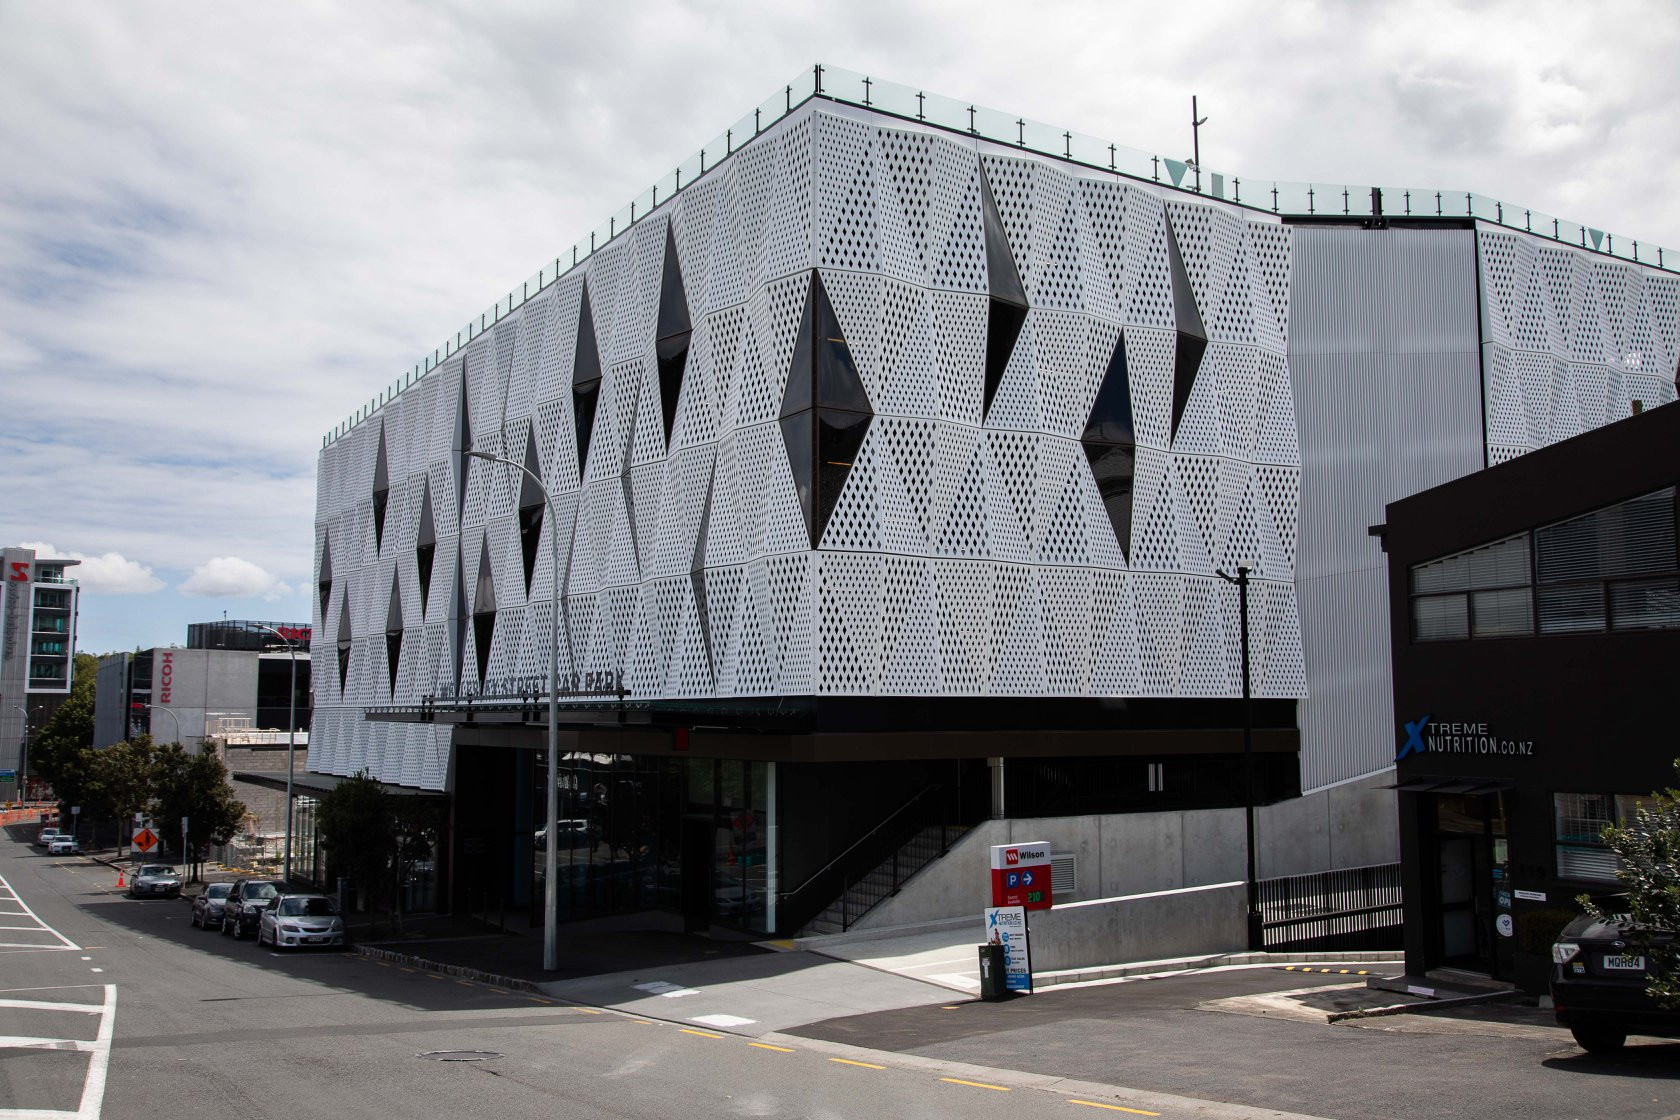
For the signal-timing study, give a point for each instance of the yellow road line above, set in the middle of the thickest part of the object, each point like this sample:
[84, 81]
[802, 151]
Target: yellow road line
[465, 983]
[767, 1046]
[498, 991]
[645, 1022]
[976, 1084]
[702, 1034]
[534, 999]
[587, 1010]
[849, 1062]
[1115, 1108]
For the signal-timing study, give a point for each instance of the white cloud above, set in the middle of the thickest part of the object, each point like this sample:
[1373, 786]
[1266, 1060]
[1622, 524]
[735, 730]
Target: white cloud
[230, 577]
[110, 573]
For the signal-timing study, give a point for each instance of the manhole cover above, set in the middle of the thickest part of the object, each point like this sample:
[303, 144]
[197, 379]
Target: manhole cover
[459, 1055]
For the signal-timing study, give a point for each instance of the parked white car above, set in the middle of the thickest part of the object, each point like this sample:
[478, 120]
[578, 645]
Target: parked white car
[47, 836]
[63, 845]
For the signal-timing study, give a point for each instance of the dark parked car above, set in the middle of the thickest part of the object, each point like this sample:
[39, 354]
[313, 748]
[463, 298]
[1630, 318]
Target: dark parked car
[246, 901]
[1598, 984]
[295, 920]
[207, 908]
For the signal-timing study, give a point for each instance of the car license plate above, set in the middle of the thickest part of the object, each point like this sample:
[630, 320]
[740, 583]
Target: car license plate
[1623, 963]
[316, 940]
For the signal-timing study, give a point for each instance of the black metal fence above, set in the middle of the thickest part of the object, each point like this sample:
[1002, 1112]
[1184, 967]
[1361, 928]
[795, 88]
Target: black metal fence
[1354, 908]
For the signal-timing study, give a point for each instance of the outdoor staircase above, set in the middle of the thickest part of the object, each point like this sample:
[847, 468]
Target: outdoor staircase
[884, 880]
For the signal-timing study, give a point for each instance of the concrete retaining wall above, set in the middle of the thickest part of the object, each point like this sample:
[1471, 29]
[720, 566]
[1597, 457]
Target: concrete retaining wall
[1144, 927]
[1352, 825]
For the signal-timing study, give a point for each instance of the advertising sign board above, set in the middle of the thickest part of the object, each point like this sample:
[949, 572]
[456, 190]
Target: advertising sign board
[1007, 926]
[1021, 875]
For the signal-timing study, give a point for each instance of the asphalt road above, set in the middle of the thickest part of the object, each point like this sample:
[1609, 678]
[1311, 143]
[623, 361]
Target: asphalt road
[1490, 1062]
[119, 1008]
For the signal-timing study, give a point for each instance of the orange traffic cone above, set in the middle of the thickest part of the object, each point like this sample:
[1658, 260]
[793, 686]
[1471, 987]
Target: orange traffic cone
[119, 879]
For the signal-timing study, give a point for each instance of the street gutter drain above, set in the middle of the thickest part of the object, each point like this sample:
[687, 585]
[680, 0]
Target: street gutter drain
[459, 1055]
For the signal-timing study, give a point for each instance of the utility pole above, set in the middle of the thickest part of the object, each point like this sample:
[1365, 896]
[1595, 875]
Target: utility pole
[1196, 123]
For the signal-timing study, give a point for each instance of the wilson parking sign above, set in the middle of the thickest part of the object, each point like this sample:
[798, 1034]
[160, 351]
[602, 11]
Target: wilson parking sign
[1021, 875]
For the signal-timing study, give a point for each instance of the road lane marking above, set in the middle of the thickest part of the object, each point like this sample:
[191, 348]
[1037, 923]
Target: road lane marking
[767, 1046]
[51, 1005]
[666, 989]
[1114, 1108]
[976, 1084]
[721, 1020]
[956, 979]
[702, 1034]
[849, 1062]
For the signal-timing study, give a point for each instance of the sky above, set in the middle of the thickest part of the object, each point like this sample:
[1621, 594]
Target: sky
[223, 227]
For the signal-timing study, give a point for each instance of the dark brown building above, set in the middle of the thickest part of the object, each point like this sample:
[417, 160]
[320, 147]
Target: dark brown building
[1536, 629]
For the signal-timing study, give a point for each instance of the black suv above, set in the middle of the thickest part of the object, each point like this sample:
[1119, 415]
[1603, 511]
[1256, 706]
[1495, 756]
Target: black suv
[245, 903]
[1599, 980]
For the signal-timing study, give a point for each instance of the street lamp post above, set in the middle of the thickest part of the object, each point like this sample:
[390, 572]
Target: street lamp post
[551, 848]
[291, 745]
[23, 757]
[171, 715]
[1256, 927]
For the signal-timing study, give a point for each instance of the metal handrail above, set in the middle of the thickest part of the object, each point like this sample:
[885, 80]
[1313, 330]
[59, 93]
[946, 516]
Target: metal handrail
[839, 873]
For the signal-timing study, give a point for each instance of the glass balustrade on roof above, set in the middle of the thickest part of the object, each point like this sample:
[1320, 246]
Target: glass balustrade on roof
[1291, 199]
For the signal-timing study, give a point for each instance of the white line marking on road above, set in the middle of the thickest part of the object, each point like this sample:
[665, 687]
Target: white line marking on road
[722, 1020]
[67, 943]
[51, 1005]
[956, 978]
[96, 970]
[668, 990]
[98, 1052]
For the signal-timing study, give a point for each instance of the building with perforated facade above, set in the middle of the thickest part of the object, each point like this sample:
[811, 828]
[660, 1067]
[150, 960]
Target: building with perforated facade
[891, 463]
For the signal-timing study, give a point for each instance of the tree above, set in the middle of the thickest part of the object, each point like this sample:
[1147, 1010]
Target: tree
[194, 786]
[358, 830]
[1648, 851]
[69, 730]
[118, 781]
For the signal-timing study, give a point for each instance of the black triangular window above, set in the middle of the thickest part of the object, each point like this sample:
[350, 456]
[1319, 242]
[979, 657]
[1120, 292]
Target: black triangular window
[1192, 335]
[672, 334]
[324, 581]
[484, 609]
[531, 508]
[1006, 305]
[394, 633]
[586, 380]
[425, 546]
[1110, 444]
[825, 410]
[381, 492]
[344, 639]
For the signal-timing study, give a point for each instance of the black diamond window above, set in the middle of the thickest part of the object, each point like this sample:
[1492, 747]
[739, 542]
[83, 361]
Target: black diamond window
[381, 493]
[484, 609]
[344, 639]
[1192, 335]
[459, 615]
[672, 335]
[825, 410]
[586, 380]
[463, 441]
[697, 575]
[1006, 306]
[530, 511]
[1111, 446]
[425, 546]
[394, 633]
[324, 581]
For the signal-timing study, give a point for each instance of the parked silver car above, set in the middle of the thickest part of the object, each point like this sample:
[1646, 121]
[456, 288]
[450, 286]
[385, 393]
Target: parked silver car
[207, 908]
[63, 845]
[294, 920]
[154, 880]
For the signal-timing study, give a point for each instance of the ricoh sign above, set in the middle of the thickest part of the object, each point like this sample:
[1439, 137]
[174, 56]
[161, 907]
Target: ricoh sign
[166, 677]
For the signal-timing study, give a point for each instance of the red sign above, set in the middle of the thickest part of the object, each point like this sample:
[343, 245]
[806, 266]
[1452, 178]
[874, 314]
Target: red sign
[20, 571]
[1021, 875]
